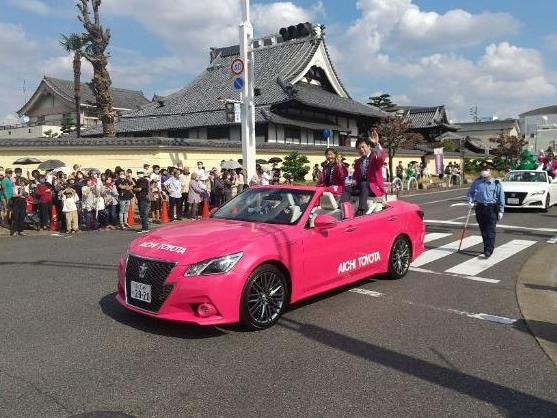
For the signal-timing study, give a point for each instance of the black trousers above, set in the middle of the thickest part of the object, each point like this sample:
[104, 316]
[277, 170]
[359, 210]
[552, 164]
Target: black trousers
[18, 214]
[44, 213]
[486, 215]
[364, 194]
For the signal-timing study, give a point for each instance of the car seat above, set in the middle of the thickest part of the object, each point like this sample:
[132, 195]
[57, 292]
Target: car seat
[328, 206]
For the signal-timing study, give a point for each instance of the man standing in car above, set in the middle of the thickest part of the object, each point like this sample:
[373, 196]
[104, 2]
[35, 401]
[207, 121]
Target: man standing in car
[368, 176]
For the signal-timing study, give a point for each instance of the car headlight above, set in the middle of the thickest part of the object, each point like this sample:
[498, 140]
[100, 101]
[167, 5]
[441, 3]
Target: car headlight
[218, 265]
[538, 193]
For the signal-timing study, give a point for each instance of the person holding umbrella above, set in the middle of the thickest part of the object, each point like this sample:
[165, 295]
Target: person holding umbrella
[486, 195]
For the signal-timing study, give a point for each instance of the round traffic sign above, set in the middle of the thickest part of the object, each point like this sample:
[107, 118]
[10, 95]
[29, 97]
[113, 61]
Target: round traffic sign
[237, 66]
[238, 83]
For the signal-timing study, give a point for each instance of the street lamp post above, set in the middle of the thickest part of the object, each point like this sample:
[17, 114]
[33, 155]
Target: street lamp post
[247, 100]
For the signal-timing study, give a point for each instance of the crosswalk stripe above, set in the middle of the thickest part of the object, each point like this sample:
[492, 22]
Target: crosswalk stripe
[478, 264]
[445, 250]
[433, 236]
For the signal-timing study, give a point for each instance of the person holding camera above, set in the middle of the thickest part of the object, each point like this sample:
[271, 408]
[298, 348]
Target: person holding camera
[368, 176]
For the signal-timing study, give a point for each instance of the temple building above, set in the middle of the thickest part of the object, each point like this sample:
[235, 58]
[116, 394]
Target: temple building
[298, 96]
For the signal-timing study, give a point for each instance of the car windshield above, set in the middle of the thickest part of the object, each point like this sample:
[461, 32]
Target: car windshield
[267, 205]
[526, 176]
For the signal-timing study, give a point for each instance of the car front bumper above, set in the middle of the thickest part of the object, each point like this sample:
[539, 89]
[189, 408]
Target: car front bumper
[529, 202]
[189, 294]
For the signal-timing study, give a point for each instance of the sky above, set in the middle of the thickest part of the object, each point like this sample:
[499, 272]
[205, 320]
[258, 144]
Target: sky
[498, 55]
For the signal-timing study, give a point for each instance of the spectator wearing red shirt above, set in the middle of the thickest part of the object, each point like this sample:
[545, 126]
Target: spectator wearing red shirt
[44, 192]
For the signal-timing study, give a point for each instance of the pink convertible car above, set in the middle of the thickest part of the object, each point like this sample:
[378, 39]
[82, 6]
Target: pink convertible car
[267, 248]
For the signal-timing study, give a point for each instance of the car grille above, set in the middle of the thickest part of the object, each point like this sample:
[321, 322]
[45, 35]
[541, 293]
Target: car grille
[515, 195]
[155, 274]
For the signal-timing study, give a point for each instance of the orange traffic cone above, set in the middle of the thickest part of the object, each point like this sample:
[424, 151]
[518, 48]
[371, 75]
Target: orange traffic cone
[164, 212]
[131, 215]
[53, 218]
[205, 210]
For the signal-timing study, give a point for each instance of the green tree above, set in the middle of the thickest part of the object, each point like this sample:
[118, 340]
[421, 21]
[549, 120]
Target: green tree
[395, 133]
[294, 165]
[101, 83]
[383, 102]
[67, 124]
[447, 144]
[80, 46]
[51, 134]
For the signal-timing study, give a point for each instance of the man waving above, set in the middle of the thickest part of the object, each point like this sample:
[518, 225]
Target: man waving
[368, 177]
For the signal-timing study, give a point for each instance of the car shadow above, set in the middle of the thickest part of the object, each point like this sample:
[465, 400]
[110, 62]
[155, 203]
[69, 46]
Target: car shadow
[540, 329]
[111, 308]
[512, 403]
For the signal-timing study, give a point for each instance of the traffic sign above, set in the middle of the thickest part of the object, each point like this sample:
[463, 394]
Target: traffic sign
[238, 83]
[237, 66]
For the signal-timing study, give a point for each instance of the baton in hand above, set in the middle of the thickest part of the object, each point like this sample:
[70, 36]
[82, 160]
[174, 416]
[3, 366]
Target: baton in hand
[465, 227]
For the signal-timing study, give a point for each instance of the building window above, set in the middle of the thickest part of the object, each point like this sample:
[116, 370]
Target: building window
[218, 132]
[292, 135]
[318, 138]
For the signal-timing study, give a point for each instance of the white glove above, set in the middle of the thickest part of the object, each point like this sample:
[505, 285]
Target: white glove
[470, 205]
[500, 215]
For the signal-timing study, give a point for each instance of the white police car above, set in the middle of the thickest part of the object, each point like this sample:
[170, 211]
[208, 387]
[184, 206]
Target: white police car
[529, 189]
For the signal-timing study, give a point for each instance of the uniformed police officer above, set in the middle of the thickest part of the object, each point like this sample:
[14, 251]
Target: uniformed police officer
[486, 194]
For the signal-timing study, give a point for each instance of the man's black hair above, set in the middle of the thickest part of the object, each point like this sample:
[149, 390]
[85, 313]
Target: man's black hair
[365, 139]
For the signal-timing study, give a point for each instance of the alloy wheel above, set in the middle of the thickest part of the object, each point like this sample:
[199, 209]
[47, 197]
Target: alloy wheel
[266, 298]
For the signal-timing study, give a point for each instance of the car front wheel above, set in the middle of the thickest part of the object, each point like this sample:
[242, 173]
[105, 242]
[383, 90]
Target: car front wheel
[399, 259]
[264, 298]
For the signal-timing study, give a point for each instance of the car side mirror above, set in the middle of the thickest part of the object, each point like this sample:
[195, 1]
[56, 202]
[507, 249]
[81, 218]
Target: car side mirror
[325, 222]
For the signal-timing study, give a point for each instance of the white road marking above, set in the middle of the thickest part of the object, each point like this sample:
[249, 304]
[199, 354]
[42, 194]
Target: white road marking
[552, 240]
[460, 276]
[483, 316]
[435, 236]
[460, 217]
[518, 228]
[437, 192]
[478, 264]
[459, 204]
[367, 292]
[445, 250]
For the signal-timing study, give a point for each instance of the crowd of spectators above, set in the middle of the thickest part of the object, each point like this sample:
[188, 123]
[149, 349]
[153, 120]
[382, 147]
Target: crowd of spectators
[93, 200]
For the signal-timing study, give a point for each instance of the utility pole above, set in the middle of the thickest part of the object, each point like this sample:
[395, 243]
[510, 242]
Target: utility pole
[474, 113]
[247, 100]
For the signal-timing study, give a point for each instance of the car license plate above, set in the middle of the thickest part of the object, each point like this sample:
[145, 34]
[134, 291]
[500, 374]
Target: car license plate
[512, 201]
[141, 291]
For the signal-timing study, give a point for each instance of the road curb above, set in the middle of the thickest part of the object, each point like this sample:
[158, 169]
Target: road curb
[536, 292]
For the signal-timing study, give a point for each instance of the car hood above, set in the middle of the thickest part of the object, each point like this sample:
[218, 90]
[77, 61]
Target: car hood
[518, 187]
[195, 241]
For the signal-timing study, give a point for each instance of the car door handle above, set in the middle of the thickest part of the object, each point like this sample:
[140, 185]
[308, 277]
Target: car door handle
[393, 218]
[350, 229]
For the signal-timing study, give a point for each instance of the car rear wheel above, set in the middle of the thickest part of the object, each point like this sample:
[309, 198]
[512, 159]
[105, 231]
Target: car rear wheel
[399, 259]
[547, 203]
[264, 298]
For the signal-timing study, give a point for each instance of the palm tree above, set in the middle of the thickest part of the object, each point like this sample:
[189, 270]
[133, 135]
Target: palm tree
[79, 45]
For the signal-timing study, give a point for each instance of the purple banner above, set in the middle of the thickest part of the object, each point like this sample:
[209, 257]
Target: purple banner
[438, 152]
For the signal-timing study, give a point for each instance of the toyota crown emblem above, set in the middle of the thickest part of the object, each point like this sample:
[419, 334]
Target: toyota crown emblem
[142, 270]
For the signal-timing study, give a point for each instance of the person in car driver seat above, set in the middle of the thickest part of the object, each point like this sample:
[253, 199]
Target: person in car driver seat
[368, 176]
